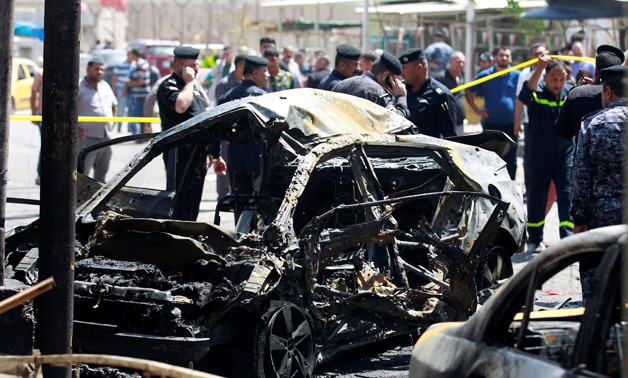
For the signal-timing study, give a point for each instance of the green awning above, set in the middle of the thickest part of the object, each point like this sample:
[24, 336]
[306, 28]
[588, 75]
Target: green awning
[323, 25]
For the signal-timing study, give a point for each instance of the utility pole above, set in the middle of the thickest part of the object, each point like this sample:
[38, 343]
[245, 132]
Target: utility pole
[7, 8]
[54, 310]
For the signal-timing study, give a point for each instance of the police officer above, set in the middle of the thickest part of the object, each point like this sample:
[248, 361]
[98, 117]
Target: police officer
[598, 167]
[587, 98]
[255, 78]
[346, 65]
[379, 85]
[432, 106]
[180, 97]
[243, 157]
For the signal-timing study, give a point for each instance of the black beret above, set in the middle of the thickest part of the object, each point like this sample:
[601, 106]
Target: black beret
[411, 55]
[255, 60]
[614, 72]
[611, 50]
[186, 52]
[391, 63]
[348, 52]
[271, 51]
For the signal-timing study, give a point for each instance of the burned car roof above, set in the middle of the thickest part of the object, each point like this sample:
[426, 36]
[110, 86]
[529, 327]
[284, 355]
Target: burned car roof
[353, 235]
[311, 112]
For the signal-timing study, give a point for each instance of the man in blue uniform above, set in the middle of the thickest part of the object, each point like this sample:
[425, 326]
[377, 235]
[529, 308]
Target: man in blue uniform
[180, 98]
[432, 106]
[598, 167]
[379, 85]
[585, 99]
[547, 157]
[244, 153]
[346, 65]
[499, 102]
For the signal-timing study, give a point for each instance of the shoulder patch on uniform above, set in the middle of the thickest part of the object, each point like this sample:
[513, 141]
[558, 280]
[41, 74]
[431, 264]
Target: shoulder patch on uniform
[439, 91]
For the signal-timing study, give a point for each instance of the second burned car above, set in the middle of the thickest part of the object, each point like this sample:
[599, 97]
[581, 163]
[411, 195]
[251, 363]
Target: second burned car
[357, 232]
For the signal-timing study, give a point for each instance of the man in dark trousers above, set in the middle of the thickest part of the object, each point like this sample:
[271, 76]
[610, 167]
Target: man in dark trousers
[432, 106]
[379, 85]
[346, 65]
[226, 83]
[586, 98]
[180, 98]
[547, 157]
[244, 154]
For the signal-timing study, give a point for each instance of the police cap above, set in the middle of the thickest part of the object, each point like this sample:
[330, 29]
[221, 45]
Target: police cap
[614, 72]
[611, 50]
[186, 52]
[391, 63]
[411, 55]
[348, 52]
[255, 61]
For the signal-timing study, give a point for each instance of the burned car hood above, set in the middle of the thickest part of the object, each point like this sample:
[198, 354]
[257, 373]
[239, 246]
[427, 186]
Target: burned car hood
[307, 114]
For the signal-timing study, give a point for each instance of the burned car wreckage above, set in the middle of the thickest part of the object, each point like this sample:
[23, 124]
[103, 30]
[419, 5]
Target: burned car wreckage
[358, 231]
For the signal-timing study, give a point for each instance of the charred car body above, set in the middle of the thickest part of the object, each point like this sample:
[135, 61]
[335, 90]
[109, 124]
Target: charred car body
[356, 233]
[521, 331]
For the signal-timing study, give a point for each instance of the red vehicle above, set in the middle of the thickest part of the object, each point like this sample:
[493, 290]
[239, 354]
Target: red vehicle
[159, 53]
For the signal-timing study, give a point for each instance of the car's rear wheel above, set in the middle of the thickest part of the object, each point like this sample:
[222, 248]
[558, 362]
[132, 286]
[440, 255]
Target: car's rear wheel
[495, 266]
[285, 343]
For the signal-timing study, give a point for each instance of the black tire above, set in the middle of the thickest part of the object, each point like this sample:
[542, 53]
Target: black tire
[285, 343]
[495, 266]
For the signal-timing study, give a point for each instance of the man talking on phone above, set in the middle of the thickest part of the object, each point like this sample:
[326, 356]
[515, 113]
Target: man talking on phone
[432, 106]
[380, 85]
[180, 98]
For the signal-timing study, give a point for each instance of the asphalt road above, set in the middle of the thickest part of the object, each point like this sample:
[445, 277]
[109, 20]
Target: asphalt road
[24, 142]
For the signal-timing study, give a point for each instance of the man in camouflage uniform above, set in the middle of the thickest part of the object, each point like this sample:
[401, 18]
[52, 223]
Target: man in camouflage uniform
[597, 176]
[379, 85]
[279, 79]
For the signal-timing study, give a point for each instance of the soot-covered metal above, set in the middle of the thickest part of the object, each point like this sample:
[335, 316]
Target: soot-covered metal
[357, 232]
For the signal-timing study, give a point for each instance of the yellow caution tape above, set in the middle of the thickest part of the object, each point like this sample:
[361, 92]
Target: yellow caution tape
[518, 66]
[37, 118]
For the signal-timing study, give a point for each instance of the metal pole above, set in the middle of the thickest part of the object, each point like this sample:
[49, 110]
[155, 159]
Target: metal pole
[7, 9]
[279, 27]
[54, 310]
[365, 27]
[469, 41]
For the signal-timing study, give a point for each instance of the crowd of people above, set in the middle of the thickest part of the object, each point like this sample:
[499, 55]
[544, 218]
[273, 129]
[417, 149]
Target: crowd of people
[572, 123]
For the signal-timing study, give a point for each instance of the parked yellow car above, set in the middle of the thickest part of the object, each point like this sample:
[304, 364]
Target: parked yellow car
[22, 77]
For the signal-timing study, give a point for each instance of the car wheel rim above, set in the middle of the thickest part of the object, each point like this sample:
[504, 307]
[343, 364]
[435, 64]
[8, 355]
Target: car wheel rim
[494, 269]
[290, 343]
